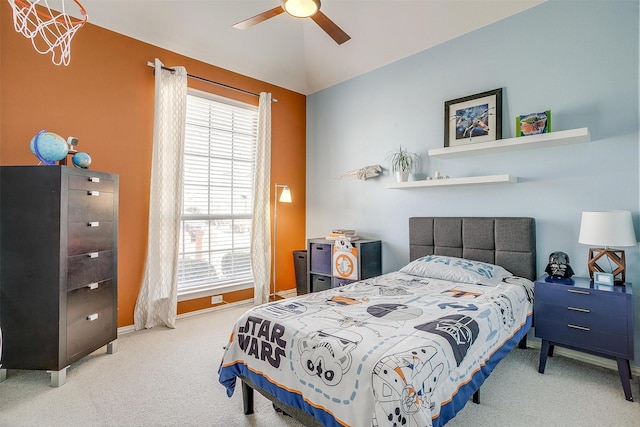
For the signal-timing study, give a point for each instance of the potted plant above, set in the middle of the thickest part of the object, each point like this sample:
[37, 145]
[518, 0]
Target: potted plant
[402, 162]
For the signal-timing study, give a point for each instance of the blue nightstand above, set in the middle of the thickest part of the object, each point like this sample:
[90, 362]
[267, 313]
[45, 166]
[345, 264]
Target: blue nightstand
[591, 318]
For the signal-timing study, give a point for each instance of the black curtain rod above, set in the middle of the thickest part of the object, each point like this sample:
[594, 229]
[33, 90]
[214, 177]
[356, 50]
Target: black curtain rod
[202, 79]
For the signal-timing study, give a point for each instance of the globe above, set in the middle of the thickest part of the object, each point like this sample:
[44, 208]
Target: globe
[81, 160]
[49, 147]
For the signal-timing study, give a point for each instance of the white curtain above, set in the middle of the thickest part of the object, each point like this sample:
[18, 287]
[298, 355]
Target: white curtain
[260, 228]
[158, 297]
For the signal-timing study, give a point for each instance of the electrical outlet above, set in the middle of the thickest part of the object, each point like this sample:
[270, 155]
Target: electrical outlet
[216, 299]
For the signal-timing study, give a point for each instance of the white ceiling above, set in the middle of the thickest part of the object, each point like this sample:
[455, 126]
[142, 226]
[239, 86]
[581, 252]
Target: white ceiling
[295, 53]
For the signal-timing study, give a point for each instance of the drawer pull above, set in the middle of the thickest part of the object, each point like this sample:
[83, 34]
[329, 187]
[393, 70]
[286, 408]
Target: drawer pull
[94, 254]
[94, 179]
[581, 310]
[92, 317]
[93, 193]
[575, 291]
[93, 286]
[582, 328]
[94, 224]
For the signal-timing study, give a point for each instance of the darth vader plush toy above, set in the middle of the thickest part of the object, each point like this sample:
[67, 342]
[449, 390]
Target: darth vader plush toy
[558, 268]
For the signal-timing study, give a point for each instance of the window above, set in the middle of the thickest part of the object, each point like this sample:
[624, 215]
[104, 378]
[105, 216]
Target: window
[217, 205]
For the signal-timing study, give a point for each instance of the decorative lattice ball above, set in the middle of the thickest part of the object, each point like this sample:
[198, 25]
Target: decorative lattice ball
[81, 160]
[49, 147]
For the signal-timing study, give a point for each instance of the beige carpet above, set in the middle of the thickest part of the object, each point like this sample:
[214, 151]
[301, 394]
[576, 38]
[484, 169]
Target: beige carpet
[167, 377]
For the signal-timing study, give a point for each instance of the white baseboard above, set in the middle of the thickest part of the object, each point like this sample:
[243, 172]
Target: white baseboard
[126, 329]
[220, 307]
[289, 293]
[585, 357]
[130, 328]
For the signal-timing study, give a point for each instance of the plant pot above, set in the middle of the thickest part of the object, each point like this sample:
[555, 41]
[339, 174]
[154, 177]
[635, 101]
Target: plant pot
[402, 176]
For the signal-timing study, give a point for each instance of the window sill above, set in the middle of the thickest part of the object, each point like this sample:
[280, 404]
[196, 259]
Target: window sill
[189, 294]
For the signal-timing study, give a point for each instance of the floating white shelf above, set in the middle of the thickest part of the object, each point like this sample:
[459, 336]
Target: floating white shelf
[469, 180]
[552, 139]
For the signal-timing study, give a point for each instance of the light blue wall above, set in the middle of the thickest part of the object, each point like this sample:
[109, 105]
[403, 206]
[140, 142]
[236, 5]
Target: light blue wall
[577, 58]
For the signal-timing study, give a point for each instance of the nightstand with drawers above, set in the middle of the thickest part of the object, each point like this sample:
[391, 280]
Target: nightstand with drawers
[587, 317]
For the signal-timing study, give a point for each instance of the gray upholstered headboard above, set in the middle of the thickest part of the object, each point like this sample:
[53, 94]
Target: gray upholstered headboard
[506, 241]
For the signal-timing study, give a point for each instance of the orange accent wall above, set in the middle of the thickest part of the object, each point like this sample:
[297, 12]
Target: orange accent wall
[105, 98]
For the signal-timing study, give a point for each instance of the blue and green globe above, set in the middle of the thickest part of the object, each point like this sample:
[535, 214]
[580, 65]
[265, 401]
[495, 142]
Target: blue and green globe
[49, 147]
[81, 160]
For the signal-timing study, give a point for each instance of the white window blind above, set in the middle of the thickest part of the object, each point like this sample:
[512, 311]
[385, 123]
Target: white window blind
[220, 142]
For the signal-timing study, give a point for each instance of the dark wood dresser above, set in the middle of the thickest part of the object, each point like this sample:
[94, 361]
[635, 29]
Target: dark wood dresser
[58, 266]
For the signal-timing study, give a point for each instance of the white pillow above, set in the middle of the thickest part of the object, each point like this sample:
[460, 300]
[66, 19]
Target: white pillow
[456, 270]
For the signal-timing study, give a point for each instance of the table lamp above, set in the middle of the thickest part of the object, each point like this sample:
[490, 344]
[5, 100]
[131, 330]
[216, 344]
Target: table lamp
[607, 229]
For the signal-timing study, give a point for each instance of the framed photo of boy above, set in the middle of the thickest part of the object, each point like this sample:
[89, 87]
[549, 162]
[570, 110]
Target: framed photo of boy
[474, 118]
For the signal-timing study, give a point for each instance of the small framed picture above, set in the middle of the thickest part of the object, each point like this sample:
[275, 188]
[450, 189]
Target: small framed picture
[603, 278]
[533, 124]
[474, 118]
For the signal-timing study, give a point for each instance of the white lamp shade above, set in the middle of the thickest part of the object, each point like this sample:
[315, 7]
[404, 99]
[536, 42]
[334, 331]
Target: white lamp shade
[285, 197]
[607, 228]
[301, 8]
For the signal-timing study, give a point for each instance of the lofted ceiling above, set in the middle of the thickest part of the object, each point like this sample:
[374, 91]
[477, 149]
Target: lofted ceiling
[295, 53]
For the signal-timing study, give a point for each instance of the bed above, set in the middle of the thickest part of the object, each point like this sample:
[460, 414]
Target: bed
[409, 347]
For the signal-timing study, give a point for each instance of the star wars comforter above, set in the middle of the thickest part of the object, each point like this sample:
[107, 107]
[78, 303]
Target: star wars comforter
[397, 349]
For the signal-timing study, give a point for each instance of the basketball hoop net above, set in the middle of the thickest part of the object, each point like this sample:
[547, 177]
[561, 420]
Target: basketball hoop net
[49, 30]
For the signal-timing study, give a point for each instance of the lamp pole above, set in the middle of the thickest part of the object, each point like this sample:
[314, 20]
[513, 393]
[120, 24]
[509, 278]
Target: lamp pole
[285, 197]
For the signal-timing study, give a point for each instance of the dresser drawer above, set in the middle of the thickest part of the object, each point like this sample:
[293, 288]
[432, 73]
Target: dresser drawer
[320, 258]
[594, 320]
[83, 238]
[85, 336]
[589, 299]
[89, 268]
[83, 206]
[593, 340]
[83, 302]
[92, 181]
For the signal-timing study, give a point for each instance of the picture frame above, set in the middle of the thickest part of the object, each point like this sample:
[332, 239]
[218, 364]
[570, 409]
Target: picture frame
[533, 123]
[600, 278]
[472, 119]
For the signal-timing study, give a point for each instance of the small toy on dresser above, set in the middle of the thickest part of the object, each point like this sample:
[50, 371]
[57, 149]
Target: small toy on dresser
[558, 269]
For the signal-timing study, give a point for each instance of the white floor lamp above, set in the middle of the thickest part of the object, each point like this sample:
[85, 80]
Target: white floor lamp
[285, 197]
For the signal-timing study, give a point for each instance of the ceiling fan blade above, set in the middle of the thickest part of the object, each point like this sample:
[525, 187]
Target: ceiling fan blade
[330, 27]
[250, 22]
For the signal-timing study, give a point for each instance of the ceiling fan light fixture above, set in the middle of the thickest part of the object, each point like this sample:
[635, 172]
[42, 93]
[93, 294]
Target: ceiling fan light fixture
[301, 8]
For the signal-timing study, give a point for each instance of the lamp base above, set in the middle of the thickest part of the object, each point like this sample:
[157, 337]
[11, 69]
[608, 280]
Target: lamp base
[615, 256]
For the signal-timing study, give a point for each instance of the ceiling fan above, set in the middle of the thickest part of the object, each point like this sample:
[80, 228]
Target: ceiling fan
[299, 9]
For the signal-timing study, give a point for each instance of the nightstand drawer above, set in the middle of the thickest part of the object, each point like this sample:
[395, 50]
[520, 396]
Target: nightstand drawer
[577, 336]
[595, 320]
[589, 299]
